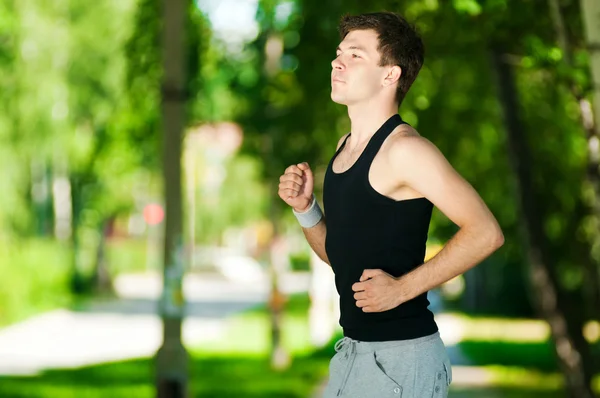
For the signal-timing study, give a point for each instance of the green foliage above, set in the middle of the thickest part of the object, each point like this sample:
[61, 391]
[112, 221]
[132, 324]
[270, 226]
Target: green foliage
[142, 119]
[300, 262]
[454, 104]
[34, 278]
[238, 201]
[279, 126]
[81, 86]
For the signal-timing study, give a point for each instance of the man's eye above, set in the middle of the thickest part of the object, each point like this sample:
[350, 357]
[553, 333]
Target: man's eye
[355, 56]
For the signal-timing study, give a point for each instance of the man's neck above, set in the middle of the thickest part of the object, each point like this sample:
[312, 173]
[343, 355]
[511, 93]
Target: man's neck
[366, 119]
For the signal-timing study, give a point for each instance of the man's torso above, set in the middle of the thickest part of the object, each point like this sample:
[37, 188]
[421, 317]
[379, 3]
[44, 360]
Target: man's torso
[371, 225]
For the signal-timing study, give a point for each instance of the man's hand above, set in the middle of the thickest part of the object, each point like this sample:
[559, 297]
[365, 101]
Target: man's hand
[296, 186]
[377, 291]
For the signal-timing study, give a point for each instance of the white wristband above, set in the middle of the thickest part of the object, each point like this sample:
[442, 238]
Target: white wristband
[310, 217]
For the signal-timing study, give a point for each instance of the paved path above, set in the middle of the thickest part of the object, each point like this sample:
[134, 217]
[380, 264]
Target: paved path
[127, 327]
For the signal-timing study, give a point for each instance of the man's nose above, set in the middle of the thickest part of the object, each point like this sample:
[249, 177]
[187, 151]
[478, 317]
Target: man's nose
[337, 64]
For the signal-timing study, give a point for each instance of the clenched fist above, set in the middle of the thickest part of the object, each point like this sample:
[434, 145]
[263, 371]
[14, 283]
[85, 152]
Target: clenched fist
[296, 186]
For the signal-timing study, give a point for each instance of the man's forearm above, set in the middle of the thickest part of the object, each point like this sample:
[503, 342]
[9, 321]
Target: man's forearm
[315, 237]
[465, 250]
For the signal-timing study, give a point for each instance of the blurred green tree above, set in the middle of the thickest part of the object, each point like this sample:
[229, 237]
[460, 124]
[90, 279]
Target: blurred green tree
[455, 104]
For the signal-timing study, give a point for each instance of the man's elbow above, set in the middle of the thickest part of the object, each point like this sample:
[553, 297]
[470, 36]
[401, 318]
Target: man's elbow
[496, 238]
[489, 235]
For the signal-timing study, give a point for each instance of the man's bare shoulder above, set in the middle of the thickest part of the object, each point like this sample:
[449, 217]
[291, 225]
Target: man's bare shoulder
[404, 130]
[405, 144]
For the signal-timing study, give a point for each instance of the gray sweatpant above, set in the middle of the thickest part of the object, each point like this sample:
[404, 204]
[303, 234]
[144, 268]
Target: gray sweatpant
[417, 368]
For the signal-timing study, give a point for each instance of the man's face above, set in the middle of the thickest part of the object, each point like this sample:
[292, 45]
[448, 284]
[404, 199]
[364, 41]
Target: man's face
[356, 75]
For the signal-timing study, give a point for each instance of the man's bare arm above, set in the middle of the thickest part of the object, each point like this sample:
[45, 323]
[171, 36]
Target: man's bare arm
[424, 168]
[315, 237]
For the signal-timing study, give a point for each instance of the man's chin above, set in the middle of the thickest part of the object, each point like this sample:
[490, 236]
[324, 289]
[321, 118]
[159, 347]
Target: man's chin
[338, 99]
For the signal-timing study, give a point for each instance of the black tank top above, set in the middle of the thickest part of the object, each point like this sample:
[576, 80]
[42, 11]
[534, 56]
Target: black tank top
[367, 230]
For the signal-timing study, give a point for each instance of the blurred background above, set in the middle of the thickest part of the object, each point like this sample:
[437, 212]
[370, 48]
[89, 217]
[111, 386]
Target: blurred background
[144, 249]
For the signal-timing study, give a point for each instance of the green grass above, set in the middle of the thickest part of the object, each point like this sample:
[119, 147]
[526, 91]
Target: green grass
[456, 392]
[249, 332]
[539, 356]
[210, 376]
[130, 255]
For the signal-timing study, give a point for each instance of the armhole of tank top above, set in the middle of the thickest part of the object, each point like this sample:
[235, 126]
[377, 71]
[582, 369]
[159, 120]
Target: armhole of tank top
[378, 196]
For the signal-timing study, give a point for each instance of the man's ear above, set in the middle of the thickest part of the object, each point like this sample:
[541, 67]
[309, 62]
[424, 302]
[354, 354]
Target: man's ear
[393, 75]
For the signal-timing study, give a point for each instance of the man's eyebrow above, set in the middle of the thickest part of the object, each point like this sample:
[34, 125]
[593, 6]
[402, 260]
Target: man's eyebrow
[352, 48]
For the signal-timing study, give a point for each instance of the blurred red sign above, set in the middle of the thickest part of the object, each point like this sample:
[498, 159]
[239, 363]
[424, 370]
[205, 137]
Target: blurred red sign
[153, 214]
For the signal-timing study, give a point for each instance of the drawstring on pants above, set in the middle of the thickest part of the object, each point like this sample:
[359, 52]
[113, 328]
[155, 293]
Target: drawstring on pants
[344, 345]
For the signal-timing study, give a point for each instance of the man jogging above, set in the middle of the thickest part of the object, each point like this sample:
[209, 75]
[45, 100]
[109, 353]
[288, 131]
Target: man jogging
[378, 194]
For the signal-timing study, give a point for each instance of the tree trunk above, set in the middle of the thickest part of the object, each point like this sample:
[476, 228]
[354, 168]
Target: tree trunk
[172, 358]
[279, 358]
[78, 283]
[565, 323]
[101, 281]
